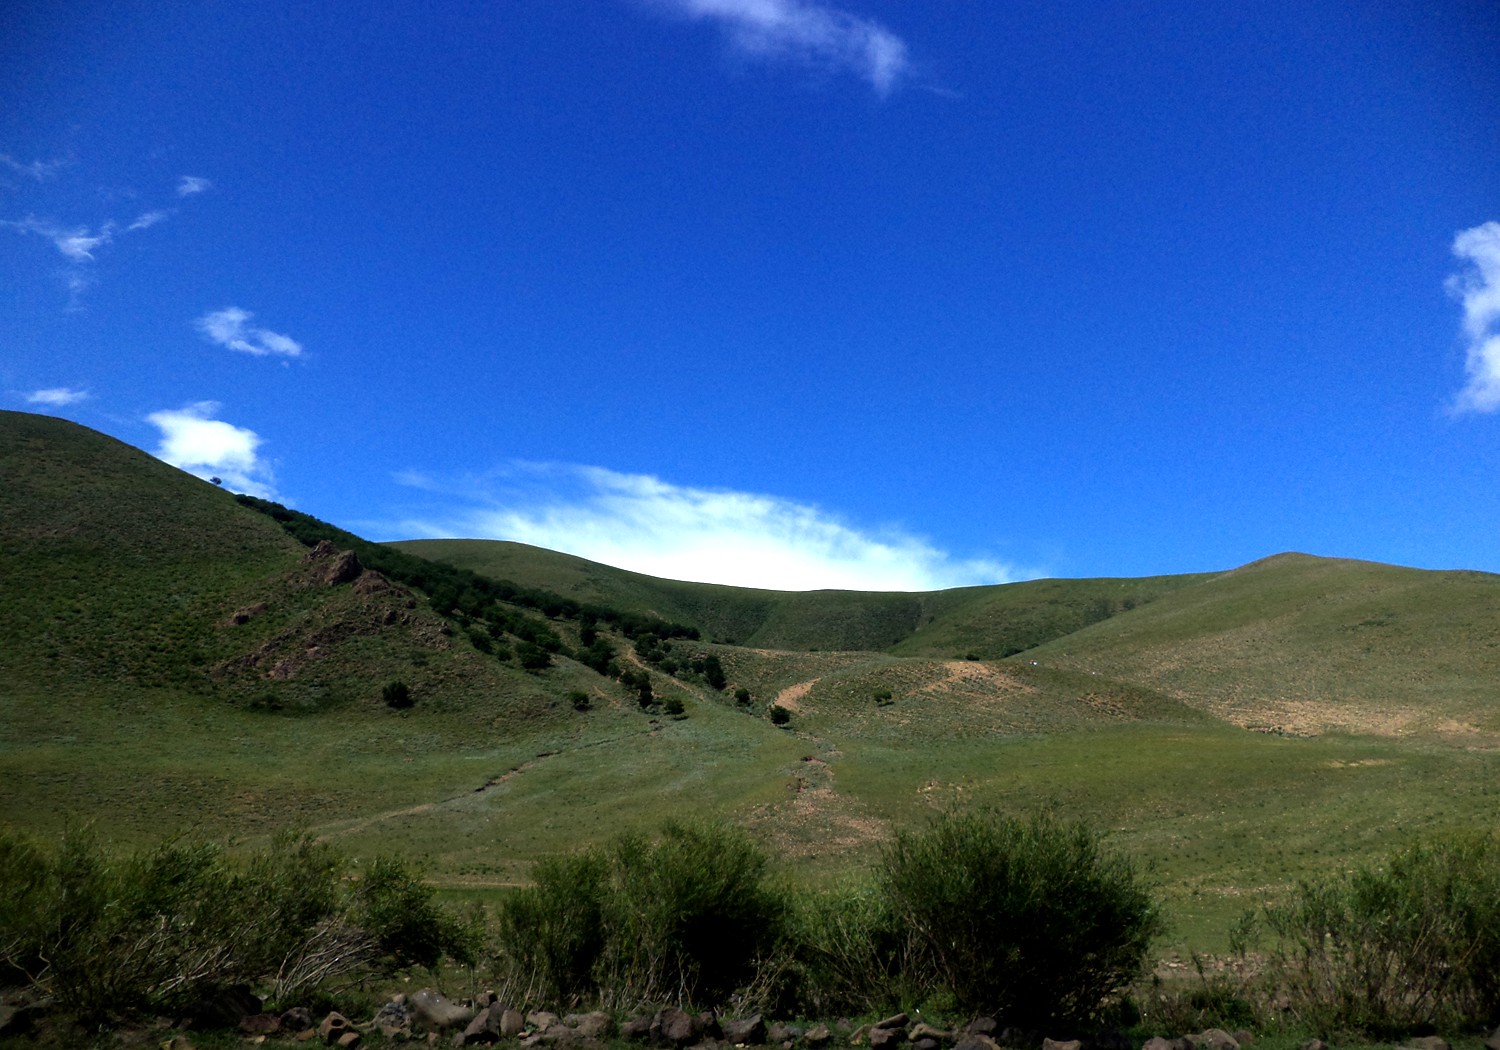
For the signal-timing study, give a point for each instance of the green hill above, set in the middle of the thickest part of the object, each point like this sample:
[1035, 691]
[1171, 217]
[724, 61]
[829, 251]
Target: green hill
[989, 622]
[173, 658]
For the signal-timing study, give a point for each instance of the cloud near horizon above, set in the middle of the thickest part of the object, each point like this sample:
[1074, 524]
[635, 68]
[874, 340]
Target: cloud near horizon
[1478, 289]
[806, 32]
[57, 396]
[192, 440]
[641, 523]
[230, 328]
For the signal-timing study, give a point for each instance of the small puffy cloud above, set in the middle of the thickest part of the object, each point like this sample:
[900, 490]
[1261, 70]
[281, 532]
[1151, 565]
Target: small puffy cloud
[57, 396]
[190, 185]
[192, 440]
[807, 32]
[231, 328]
[641, 523]
[1477, 287]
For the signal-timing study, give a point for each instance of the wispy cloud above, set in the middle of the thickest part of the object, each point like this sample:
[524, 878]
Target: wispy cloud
[57, 396]
[189, 185]
[639, 522]
[76, 243]
[1477, 287]
[194, 441]
[146, 220]
[231, 327]
[37, 170]
[808, 33]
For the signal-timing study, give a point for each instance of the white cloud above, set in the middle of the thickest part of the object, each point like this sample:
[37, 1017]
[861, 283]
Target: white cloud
[56, 396]
[230, 327]
[189, 185]
[146, 220]
[1478, 289]
[638, 522]
[39, 170]
[195, 442]
[77, 243]
[808, 32]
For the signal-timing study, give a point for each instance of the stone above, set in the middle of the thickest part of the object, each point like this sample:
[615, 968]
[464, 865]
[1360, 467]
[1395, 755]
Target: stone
[976, 1042]
[297, 1019]
[433, 1010]
[595, 1025]
[1062, 1044]
[1156, 1042]
[1314, 1044]
[783, 1033]
[260, 1024]
[334, 1026]
[542, 1020]
[922, 1030]
[983, 1026]
[925, 1043]
[348, 1041]
[1428, 1042]
[880, 1038]
[512, 1022]
[818, 1036]
[895, 1021]
[745, 1031]
[483, 1029]
[636, 1030]
[674, 1027]
[1493, 1042]
[1213, 1039]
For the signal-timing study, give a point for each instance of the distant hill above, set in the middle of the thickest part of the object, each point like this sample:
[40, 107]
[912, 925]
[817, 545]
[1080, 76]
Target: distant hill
[987, 622]
[1307, 643]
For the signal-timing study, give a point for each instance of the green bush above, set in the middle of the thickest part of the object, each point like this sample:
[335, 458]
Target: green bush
[686, 918]
[1385, 951]
[780, 716]
[109, 933]
[397, 695]
[848, 954]
[1030, 920]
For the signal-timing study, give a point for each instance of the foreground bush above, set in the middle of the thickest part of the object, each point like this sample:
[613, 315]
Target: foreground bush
[111, 933]
[687, 918]
[1032, 921]
[1383, 952]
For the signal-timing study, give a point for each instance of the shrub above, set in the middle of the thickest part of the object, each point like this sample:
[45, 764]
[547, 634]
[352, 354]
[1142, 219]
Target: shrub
[1386, 951]
[153, 931]
[742, 696]
[685, 918]
[397, 694]
[674, 707]
[850, 954]
[1030, 920]
[779, 715]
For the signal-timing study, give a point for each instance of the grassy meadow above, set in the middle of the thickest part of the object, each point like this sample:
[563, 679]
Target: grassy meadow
[1235, 731]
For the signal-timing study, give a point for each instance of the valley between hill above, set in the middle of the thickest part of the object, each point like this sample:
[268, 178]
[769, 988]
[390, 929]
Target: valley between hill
[174, 659]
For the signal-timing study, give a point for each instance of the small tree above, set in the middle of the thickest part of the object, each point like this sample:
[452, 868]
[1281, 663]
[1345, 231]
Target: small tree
[397, 695]
[742, 696]
[780, 716]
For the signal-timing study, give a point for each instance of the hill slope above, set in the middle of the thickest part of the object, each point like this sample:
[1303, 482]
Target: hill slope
[988, 622]
[1305, 644]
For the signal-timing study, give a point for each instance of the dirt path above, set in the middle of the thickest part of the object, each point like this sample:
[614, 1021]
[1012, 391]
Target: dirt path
[791, 697]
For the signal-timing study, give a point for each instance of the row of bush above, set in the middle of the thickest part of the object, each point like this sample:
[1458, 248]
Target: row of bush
[1033, 921]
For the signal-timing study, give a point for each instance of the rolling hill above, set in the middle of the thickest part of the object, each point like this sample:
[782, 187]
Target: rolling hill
[173, 658]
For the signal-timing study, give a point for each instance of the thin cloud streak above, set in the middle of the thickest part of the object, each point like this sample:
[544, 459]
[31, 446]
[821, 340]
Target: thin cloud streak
[57, 396]
[231, 328]
[1478, 289]
[194, 441]
[37, 170]
[641, 523]
[806, 32]
[189, 185]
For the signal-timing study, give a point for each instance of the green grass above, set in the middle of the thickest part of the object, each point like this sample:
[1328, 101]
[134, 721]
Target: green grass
[127, 699]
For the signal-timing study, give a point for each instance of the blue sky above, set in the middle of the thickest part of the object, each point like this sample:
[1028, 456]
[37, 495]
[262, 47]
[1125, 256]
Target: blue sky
[786, 293]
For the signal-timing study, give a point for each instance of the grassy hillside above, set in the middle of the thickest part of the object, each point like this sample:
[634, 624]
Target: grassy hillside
[989, 622]
[171, 659]
[1310, 644]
